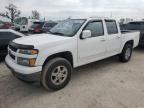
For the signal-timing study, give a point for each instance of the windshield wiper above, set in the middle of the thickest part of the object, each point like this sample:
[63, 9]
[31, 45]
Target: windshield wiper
[56, 33]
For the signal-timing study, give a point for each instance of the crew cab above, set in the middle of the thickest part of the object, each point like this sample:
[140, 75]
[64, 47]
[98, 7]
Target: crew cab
[50, 58]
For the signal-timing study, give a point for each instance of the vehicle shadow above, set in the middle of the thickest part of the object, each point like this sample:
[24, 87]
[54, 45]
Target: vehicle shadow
[140, 49]
[100, 65]
[93, 68]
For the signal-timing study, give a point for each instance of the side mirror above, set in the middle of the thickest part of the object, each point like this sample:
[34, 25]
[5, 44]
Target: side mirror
[86, 34]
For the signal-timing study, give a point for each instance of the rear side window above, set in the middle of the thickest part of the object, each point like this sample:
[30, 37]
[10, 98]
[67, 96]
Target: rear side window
[111, 26]
[96, 28]
[8, 35]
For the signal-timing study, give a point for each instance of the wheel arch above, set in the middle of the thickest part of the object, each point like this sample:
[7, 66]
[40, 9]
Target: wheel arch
[67, 55]
[130, 42]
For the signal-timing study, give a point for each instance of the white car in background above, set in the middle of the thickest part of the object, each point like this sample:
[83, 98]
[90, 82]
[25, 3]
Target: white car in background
[23, 24]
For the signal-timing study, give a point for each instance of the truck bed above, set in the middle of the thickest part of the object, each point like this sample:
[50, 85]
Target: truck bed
[131, 35]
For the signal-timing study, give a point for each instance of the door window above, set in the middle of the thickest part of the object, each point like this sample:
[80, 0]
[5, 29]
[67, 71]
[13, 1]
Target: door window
[111, 27]
[96, 28]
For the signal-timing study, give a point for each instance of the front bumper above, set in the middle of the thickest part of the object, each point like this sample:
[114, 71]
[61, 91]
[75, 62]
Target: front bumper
[23, 72]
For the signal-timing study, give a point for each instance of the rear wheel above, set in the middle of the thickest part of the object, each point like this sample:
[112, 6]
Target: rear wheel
[56, 74]
[126, 54]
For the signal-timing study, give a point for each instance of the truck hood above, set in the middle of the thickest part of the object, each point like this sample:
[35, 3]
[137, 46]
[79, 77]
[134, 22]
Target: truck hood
[40, 39]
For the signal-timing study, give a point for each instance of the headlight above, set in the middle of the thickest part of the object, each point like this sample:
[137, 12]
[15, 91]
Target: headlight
[26, 61]
[29, 52]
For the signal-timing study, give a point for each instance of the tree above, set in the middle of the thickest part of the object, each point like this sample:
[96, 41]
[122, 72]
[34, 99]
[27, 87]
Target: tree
[11, 13]
[35, 14]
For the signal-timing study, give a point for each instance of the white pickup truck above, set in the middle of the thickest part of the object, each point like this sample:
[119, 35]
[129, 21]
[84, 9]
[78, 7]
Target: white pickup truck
[51, 57]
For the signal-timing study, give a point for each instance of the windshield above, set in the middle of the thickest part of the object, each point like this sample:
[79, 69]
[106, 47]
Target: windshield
[49, 24]
[68, 27]
[21, 21]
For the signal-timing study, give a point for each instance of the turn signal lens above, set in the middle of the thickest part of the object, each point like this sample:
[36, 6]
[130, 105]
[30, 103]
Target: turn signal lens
[33, 52]
[32, 62]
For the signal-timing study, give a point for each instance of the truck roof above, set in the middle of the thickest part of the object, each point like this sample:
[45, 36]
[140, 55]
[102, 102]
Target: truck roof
[90, 18]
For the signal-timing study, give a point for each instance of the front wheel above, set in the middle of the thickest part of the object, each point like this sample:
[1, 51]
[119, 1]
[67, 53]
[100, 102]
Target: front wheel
[56, 74]
[126, 54]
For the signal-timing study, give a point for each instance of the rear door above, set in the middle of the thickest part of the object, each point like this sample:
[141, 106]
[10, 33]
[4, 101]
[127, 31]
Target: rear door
[94, 48]
[113, 37]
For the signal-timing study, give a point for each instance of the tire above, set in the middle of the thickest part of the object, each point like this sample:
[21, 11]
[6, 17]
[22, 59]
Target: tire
[126, 54]
[56, 74]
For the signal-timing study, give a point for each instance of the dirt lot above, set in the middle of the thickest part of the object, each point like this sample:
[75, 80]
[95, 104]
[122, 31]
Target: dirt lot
[105, 84]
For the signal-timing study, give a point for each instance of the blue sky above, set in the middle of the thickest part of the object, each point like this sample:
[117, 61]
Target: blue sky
[64, 8]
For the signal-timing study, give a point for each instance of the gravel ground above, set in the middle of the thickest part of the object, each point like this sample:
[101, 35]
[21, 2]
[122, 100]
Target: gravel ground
[104, 84]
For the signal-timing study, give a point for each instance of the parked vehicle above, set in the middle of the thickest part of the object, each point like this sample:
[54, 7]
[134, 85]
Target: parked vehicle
[16, 27]
[1, 24]
[7, 35]
[23, 24]
[48, 25]
[50, 58]
[139, 26]
[36, 27]
[5, 25]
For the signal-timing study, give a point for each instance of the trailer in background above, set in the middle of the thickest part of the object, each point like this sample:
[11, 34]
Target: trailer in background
[23, 24]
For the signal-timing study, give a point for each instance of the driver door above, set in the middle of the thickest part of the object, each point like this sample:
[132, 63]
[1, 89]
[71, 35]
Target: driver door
[93, 48]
